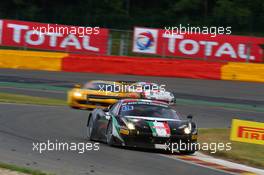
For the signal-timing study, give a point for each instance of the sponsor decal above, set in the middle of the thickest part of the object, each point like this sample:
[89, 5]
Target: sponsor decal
[160, 129]
[127, 108]
[53, 37]
[221, 47]
[145, 40]
[247, 131]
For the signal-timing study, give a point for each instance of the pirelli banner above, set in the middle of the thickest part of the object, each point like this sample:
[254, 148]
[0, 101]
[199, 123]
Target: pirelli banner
[54, 37]
[247, 131]
[218, 47]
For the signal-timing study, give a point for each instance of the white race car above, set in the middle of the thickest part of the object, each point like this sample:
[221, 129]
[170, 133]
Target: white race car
[153, 91]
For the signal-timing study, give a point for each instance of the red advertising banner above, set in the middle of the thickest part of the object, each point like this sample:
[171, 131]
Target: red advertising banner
[220, 47]
[55, 37]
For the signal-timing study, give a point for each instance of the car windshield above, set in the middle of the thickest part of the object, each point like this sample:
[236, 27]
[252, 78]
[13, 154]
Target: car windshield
[100, 86]
[148, 110]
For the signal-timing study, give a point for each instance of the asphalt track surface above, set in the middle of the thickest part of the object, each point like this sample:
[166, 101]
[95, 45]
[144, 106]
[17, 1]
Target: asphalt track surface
[234, 91]
[21, 125]
[38, 124]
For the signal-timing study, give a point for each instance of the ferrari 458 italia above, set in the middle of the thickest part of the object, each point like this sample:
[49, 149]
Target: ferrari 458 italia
[141, 123]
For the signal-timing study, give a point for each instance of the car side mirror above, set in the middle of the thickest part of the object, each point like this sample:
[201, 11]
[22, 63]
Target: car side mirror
[190, 117]
[77, 86]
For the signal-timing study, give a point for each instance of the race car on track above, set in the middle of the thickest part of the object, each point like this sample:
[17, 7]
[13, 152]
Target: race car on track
[98, 94]
[141, 123]
[101, 94]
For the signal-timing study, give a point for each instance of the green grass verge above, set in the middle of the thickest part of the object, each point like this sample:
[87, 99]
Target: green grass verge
[21, 169]
[24, 99]
[245, 153]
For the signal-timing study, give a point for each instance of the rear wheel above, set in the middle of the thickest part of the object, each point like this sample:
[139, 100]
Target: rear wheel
[109, 134]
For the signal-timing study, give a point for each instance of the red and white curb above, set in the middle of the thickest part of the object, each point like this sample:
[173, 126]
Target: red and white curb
[200, 159]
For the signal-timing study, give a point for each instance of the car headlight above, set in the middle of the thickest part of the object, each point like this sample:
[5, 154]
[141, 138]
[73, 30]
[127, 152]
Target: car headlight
[77, 94]
[187, 130]
[130, 126]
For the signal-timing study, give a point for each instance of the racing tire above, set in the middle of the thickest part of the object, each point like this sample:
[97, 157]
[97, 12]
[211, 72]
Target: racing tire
[74, 107]
[109, 134]
[189, 151]
[89, 129]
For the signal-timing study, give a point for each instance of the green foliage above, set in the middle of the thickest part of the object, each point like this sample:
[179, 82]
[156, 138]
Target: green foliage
[229, 12]
[244, 16]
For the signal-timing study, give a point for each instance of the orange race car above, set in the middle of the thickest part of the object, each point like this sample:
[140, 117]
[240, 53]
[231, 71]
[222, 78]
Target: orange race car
[99, 93]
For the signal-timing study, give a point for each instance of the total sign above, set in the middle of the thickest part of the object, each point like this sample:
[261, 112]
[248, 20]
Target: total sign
[48, 37]
[221, 47]
[145, 40]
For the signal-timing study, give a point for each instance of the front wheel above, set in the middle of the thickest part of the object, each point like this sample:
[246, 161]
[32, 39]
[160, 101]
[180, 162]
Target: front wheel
[89, 129]
[191, 150]
[109, 134]
[74, 107]
[187, 152]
